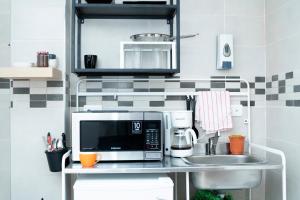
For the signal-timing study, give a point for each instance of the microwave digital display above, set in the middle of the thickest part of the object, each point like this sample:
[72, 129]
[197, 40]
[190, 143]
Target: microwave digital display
[136, 127]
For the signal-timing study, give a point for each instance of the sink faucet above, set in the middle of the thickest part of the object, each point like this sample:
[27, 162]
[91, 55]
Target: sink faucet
[212, 144]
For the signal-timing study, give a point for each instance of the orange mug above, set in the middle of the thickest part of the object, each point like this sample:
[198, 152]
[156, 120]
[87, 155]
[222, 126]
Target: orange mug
[237, 143]
[89, 159]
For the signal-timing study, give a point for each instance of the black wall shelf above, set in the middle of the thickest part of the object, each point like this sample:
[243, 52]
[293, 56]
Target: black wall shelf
[82, 11]
[125, 11]
[109, 72]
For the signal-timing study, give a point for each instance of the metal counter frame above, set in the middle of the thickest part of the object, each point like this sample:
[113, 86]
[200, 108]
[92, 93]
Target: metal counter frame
[185, 169]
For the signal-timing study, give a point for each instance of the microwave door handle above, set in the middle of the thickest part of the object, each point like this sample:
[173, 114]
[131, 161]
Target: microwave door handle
[168, 122]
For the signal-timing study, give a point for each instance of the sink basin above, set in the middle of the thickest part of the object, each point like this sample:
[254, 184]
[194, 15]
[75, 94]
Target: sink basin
[223, 178]
[223, 160]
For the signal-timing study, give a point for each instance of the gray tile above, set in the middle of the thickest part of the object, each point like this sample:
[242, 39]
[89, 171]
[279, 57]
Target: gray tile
[245, 103]
[244, 85]
[157, 89]
[120, 85]
[217, 77]
[94, 90]
[233, 77]
[141, 90]
[272, 97]
[233, 89]
[73, 101]
[172, 81]
[297, 103]
[260, 79]
[55, 84]
[281, 83]
[37, 97]
[260, 91]
[125, 103]
[281, 90]
[269, 85]
[55, 97]
[275, 78]
[297, 88]
[175, 98]
[4, 85]
[289, 103]
[108, 98]
[156, 103]
[141, 81]
[289, 75]
[202, 89]
[217, 84]
[82, 101]
[3, 80]
[38, 104]
[21, 91]
[24, 79]
[187, 85]
[141, 77]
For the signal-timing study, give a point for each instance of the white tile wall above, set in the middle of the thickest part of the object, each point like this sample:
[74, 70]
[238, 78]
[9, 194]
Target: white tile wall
[5, 102]
[34, 163]
[5, 140]
[283, 37]
[208, 17]
[36, 25]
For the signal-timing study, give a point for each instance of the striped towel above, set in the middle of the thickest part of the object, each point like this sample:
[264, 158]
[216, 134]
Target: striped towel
[213, 111]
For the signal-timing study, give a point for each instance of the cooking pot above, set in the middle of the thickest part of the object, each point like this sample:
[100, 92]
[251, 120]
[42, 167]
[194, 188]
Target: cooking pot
[157, 37]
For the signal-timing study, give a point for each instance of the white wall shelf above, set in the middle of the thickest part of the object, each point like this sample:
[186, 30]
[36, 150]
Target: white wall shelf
[30, 73]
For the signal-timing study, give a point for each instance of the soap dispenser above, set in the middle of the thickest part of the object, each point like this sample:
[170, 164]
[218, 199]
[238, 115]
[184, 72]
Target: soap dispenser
[225, 52]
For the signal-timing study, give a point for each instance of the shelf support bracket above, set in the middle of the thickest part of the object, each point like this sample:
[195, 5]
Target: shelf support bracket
[81, 21]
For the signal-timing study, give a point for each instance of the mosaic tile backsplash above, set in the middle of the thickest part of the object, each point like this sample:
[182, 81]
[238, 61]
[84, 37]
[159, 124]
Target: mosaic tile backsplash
[168, 85]
[284, 89]
[281, 88]
[34, 93]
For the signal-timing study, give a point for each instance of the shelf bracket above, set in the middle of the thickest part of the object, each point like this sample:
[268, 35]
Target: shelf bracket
[168, 21]
[81, 21]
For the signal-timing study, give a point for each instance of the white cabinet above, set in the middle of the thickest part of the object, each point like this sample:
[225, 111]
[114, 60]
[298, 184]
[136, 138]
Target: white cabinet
[122, 186]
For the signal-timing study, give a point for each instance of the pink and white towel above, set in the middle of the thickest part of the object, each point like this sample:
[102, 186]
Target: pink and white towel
[213, 111]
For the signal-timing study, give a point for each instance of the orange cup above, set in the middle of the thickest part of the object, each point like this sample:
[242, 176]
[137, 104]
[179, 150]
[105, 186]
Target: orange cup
[88, 159]
[237, 143]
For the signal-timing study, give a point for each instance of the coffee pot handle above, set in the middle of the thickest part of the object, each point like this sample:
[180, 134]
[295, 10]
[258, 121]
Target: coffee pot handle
[193, 134]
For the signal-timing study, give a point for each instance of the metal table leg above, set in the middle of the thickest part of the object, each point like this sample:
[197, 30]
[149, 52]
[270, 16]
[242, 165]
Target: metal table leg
[176, 186]
[187, 184]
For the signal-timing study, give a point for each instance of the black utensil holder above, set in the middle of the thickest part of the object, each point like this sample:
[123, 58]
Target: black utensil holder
[54, 159]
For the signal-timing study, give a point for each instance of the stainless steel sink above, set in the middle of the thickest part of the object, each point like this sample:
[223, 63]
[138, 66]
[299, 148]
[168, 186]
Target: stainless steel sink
[223, 178]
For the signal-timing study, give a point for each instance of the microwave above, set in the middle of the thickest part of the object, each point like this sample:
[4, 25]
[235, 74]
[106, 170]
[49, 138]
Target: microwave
[118, 136]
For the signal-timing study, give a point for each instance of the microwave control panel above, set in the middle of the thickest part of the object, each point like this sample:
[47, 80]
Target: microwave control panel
[152, 139]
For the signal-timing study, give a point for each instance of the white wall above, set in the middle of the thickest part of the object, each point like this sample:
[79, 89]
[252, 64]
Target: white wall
[45, 31]
[5, 142]
[4, 101]
[283, 39]
[5, 33]
[36, 25]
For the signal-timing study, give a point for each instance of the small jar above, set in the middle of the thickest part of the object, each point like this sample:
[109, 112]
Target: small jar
[52, 60]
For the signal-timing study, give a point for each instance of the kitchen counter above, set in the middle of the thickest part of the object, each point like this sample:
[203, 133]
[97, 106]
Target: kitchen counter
[168, 165]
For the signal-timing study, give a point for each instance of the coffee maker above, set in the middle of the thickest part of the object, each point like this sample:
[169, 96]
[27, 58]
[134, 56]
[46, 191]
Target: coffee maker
[179, 135]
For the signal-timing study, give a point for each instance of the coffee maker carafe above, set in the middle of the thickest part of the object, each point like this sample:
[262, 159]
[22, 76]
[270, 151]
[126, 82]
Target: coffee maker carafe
[179, 137]
[182, 143]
